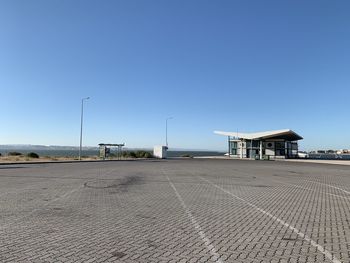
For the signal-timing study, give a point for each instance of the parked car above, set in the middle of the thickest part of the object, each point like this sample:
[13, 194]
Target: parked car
[302, 154]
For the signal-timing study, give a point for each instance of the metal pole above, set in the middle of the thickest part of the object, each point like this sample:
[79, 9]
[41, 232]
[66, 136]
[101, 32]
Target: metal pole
[166, 130]
[81, 125]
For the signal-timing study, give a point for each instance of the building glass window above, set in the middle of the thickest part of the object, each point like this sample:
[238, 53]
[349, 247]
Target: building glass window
[280, 145]
[233, 148]
[280, 148]
[256, 144]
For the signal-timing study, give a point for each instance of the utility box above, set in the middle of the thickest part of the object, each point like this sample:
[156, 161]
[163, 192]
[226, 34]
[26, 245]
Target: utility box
[160, 152]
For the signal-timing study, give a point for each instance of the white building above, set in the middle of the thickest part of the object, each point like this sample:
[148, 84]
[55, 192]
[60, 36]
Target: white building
[343, 151]
[160, 151]
[269, 144]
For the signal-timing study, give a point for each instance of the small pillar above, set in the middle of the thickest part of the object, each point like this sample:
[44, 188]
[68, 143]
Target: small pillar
[160, 151]
[261, 150]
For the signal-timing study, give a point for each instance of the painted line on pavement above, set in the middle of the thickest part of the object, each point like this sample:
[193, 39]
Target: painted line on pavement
[215, 255]
[313, 190]
[329, 186]
[320, 248]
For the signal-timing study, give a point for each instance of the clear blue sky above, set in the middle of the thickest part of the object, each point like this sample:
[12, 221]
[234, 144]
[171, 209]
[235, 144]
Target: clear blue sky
[212, 65]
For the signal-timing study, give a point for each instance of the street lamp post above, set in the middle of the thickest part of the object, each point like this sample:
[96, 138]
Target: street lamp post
[81, 125]
[166, 131]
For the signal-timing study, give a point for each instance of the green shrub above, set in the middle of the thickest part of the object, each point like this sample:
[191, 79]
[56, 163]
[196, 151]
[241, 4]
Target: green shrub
[148, 155]
[143, 154]
[137, 154]
[187, 155]
[33, 155]
[129, 154]
[14, 153]
[140, 154]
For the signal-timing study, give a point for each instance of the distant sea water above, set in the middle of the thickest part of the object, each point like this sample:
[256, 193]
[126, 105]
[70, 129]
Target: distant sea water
[194, 153]
[90, 152]
[52, 153]
[75, 153]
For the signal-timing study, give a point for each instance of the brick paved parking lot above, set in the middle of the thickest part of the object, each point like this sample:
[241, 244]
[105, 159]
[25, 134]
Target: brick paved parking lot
[175, 211]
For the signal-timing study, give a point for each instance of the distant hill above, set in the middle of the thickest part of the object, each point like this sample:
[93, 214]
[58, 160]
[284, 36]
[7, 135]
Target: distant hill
[33, 147]
[42, 147]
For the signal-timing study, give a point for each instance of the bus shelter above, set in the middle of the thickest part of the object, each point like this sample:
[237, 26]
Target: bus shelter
[105, 149]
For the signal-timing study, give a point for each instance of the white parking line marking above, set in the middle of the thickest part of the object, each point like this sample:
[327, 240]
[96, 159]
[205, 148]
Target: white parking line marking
[327, 254]
[313, 190]
[329, 186]
[208, 244]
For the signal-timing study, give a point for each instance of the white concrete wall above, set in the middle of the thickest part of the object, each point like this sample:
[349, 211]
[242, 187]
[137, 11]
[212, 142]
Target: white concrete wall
[269, 148]
[160, 151]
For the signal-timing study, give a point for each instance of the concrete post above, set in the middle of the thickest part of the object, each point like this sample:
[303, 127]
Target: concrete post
[229, 150]
[261, 149]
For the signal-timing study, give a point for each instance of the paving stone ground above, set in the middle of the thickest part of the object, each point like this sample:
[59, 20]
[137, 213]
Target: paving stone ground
[175, 211]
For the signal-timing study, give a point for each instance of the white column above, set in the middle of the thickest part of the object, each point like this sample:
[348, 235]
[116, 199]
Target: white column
[241, 146]
[261, 149]
[229, 146]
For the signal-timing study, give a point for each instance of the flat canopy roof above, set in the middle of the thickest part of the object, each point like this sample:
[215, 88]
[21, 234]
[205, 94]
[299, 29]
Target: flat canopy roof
[111, 144]
[285, 134]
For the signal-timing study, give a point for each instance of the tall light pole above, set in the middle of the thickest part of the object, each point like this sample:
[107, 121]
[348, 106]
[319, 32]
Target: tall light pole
[81, 125]
[166, 130]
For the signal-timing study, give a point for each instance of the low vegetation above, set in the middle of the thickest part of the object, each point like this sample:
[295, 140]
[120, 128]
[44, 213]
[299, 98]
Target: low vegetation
[137, 154]
[14, 154]
[33, 155]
